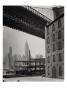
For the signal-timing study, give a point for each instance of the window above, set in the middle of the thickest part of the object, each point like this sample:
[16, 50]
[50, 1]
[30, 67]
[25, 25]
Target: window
[53, 72]
[47, 30]
[54, 59]
[54, 48]
[48, 59]
[48, 70]
[60, 57]
[59, 23]
[60, 70]
[53, 28]
[59, 35]
[48, 40]
[53, 37]
[48, 49]
[48, 73]
[59, 45]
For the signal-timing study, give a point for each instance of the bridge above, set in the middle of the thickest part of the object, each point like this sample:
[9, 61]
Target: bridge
[26, 19]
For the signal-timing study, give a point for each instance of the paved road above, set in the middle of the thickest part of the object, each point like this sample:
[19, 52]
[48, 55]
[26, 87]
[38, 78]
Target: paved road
[32, 78]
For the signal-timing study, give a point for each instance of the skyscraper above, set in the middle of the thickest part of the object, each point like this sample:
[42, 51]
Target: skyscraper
[10, 58]
[27, 51]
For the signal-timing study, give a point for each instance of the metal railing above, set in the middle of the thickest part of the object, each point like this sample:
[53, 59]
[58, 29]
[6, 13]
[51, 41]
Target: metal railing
[37, 13]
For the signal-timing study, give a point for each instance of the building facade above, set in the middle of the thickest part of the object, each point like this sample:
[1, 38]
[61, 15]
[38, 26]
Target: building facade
[57, 11]
[33, 67]
[27, 50]
[54, 37]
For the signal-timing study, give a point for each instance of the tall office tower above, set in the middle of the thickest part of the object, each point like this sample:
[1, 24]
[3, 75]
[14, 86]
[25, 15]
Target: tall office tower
[30, 57]
[54, 38]
[27, 50]
[10, 58]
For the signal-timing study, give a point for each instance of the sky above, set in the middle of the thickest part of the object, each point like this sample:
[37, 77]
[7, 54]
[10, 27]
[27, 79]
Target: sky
[47, 11]
[16, 39]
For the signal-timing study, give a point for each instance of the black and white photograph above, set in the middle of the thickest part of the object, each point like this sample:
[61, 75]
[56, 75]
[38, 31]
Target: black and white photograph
[33, 43]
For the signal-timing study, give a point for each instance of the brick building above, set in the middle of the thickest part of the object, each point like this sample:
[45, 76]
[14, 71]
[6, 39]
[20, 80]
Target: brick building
[54, 38]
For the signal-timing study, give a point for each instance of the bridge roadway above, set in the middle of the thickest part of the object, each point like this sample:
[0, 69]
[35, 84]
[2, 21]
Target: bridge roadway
[25, 19]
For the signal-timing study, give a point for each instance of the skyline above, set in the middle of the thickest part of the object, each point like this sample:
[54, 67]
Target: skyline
[10, 57]
[36, 49]
[13, 38]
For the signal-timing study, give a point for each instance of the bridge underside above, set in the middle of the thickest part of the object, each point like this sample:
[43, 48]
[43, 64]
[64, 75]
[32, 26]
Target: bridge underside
[20, 18]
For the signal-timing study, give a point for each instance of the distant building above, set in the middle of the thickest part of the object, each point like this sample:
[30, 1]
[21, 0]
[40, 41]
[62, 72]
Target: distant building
[27, 51]
[8, 63]
[23, 57]
[30, 57]
[54, 37]
[10, 58]
[39, 56]
[35, 66]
